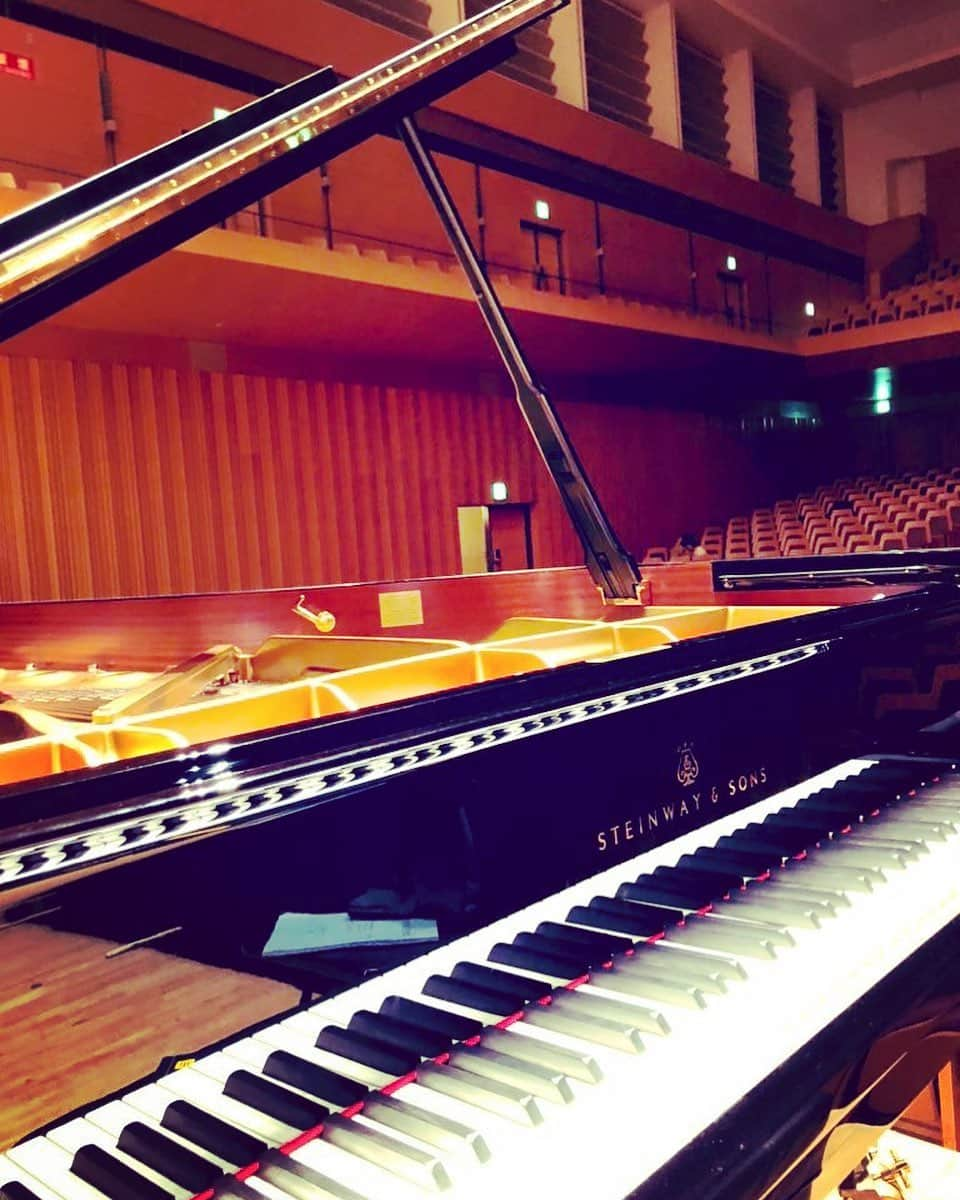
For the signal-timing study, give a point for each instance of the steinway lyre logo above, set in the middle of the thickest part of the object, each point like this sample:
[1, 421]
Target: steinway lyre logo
[688, 769]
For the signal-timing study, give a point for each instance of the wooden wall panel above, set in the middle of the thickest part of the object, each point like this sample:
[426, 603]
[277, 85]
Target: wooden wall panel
[132, 480]
[126, 479]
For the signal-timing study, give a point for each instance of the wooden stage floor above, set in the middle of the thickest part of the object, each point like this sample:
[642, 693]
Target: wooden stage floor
[76, 1025]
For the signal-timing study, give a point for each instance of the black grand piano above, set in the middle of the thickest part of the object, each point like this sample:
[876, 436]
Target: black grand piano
[654, 819]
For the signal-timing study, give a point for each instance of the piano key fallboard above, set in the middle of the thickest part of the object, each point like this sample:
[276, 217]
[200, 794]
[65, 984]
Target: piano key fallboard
[554, 1048]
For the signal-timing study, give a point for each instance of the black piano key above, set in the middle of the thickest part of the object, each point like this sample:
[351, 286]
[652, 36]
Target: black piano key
[273, 1100]
[15, 1190]
[788, 818]
[361, 1048]
[695, 891]
[585, 959]
[746, 864]
[115, 1179]
[606, 945]
[905, 772]
[598, 918]
[167, 1157]
[833, 813]
[656, 916]
[407, 1037]
[518, 988]
[884, 789]
[542, 960]
[719, 882]
[787, 841]
[425, 1016]
[469, 995]
[759, 839]
[308, 1077]
[210, 1133]
[648, 890]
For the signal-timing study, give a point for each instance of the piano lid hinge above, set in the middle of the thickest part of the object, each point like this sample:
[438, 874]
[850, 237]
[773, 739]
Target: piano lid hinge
[642, 597]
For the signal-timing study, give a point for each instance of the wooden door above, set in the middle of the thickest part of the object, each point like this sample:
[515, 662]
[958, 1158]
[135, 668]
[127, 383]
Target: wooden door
[509, 531]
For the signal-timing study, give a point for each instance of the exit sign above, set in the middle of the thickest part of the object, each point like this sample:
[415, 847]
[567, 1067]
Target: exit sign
[16, 64]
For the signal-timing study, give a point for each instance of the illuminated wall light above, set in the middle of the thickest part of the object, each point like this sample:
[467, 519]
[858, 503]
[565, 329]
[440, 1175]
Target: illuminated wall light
[883, 383]
[882, 407]
[498, 490]
[541, 210]
[810, 309]
[731, 262]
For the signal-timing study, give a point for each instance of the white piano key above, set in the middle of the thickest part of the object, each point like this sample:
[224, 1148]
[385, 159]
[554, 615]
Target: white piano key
[493, 1064]
[350, 1170]
[287, 1179]
[517, 1104]
[576, 1065]
[418, 1166]
[43, 1189]
[427, 1127]
[50, 1165]
[766, 1010]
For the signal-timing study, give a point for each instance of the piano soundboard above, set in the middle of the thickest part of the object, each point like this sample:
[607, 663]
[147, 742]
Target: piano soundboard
[573, 1048]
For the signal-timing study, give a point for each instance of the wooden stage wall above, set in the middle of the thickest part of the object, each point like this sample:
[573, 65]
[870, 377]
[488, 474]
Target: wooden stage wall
[123, 479]
[131, 480]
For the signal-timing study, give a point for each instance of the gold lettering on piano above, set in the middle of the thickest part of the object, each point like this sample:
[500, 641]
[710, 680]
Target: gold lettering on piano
[667, 814]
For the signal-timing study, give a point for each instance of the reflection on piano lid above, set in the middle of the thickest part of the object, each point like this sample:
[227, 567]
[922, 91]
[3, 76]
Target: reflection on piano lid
[627, 1036]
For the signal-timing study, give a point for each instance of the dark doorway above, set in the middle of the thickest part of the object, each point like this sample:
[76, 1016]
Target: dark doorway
[733, 290]
[548, 269]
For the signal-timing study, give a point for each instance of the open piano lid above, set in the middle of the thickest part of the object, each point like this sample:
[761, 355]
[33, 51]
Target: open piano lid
[75, 242]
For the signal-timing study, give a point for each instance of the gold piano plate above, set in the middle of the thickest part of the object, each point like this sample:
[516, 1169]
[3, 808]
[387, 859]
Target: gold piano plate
[85, 719]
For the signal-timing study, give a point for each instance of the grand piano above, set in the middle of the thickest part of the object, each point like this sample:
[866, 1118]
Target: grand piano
[642, 817]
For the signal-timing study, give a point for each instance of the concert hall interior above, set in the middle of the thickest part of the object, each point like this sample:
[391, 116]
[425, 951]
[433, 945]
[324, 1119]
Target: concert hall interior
[479, 598]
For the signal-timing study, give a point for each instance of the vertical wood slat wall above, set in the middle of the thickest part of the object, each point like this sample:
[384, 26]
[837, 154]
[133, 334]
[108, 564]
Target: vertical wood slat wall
[122, 479]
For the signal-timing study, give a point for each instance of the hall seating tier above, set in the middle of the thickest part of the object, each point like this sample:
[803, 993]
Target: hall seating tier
[885, 512]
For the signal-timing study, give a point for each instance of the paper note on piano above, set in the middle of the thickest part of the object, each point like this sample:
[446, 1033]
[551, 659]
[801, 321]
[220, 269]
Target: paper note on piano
[300, 933]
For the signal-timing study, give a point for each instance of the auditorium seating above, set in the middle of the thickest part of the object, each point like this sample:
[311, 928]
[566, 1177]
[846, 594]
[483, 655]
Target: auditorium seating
[935, 290]
[886, 512]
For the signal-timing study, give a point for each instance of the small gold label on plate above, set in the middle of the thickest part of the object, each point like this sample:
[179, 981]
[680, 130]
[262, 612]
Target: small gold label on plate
[400, 608]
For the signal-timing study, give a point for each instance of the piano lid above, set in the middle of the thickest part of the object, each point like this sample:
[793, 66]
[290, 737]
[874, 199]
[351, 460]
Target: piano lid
[69, 245]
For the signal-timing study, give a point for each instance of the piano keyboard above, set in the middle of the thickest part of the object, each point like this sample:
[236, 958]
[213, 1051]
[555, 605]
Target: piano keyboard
[575, 1046]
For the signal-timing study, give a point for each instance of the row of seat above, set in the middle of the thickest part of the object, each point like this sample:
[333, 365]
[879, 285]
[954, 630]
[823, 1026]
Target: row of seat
[934, 290]
[889, 512]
